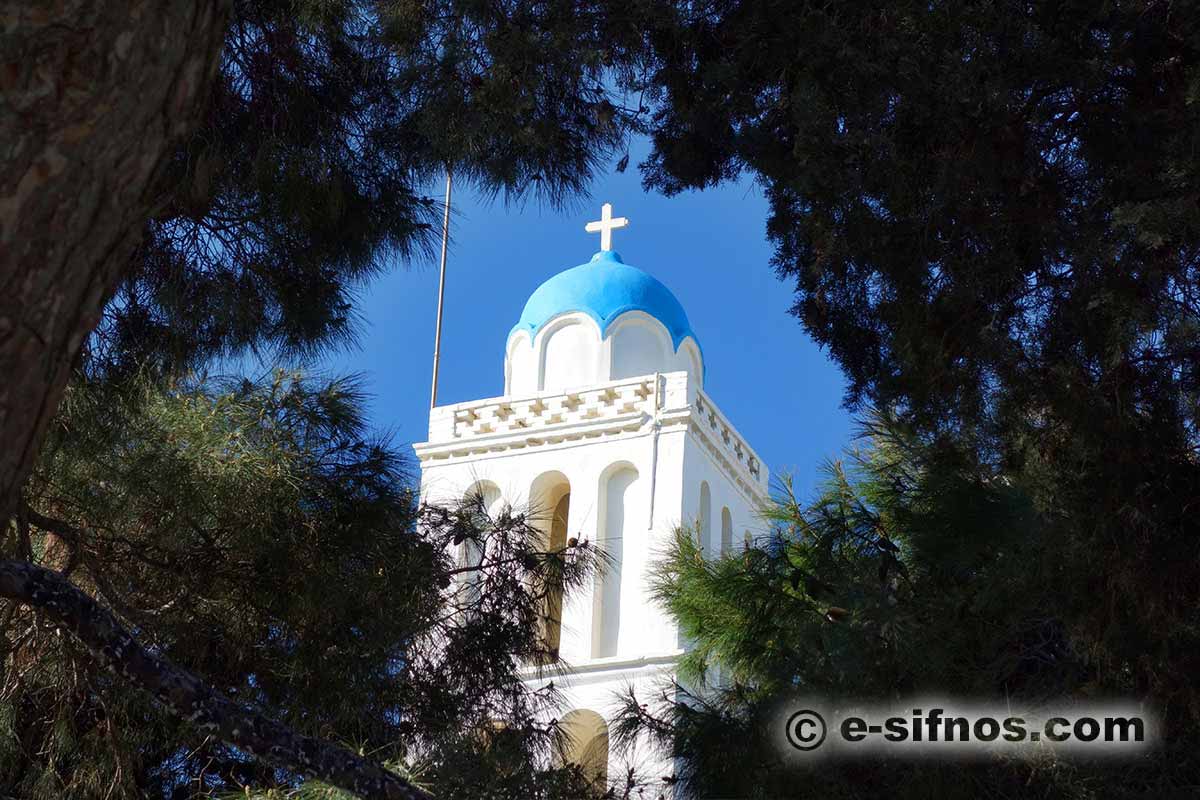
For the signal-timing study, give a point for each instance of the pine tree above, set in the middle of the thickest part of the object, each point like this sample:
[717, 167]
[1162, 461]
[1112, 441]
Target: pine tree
[990, 213]
[909, 574]
[255, 534]
[310, 170]
[223, 184]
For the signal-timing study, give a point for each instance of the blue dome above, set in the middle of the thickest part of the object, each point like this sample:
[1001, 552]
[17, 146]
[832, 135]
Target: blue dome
[604, 289]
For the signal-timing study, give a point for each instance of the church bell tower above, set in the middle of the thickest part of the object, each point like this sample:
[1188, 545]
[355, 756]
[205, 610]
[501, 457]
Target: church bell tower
[604, 419]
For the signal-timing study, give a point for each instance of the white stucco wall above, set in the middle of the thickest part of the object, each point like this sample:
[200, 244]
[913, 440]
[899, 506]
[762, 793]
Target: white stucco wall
[659, 437]
[584, 463]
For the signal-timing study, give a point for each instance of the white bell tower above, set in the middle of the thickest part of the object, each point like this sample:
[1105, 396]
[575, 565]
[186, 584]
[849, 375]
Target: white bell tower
[604, 419]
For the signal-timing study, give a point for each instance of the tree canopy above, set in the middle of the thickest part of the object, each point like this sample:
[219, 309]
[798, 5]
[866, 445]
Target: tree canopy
[991, 217]
[254, 533]
[908, 574]
[308, 173]
[250, 533]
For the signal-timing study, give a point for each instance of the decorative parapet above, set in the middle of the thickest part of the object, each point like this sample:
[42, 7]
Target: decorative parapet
[720, 434]
[622, 406]
[503, 415]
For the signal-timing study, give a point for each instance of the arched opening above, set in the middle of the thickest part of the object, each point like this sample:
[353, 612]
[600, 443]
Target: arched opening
[687, 358]
[481, 500]
[569, 355]
[638, 344]
[704, 517]
[520, 366]
[585, 744]
[726, 531]
[550, 508]
[616, 520]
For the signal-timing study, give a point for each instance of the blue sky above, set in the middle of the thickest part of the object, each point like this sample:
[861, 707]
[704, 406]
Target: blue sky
[708, 247]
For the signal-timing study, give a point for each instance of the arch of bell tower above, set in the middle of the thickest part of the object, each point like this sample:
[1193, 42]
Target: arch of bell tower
[571, 351]
[549, 508]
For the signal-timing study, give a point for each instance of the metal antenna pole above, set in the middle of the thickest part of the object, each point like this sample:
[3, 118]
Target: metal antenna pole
[437, 336]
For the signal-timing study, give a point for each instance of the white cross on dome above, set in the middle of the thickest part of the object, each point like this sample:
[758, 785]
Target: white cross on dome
[605, 226]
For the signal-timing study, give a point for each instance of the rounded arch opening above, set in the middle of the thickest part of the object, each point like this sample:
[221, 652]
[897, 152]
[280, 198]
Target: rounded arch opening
[549, 512]
[482, 499]
[520, 366]
[585, 744]
[688, 358]
[616, 521]
[568, 353]
[638, 344]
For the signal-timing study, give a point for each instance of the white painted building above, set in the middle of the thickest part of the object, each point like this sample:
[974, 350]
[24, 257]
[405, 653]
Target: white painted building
[604, 419]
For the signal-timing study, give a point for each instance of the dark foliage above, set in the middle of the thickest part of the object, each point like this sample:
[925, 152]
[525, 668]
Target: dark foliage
[329, 122]
[908, 575]
[255, 535]
[991, 215]
[252, 532]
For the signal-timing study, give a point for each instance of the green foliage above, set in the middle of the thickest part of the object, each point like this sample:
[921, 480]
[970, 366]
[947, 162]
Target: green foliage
[255, 534]
[329, 124]
[991, 216]
[908, 574]
[253, 531]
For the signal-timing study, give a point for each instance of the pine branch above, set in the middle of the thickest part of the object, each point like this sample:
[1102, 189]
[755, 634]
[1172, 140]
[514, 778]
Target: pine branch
[189, 698]
[58, 527]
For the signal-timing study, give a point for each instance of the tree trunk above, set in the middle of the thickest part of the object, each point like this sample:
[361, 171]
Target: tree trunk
[94, 100]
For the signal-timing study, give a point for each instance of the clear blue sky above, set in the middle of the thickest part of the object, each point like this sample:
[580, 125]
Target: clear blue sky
[708, 247]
